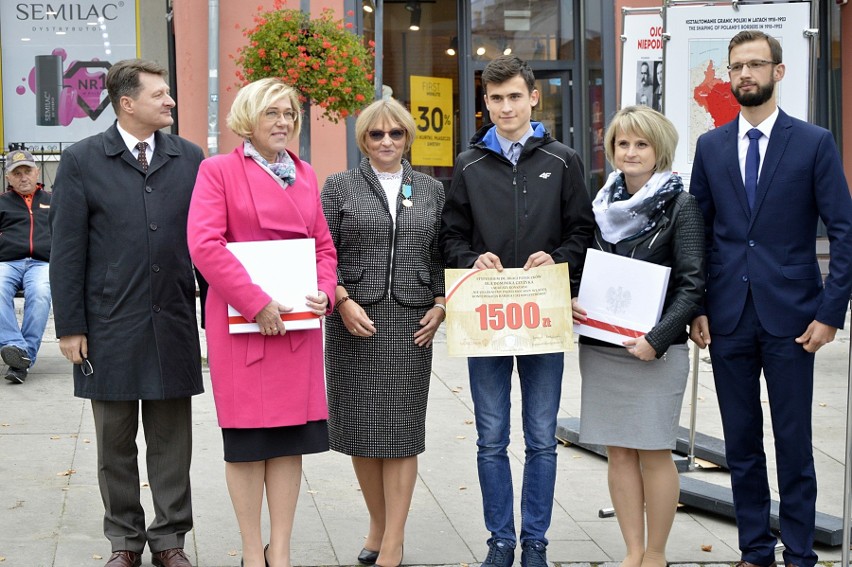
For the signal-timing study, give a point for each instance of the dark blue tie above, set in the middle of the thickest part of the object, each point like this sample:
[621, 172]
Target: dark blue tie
[752, 165]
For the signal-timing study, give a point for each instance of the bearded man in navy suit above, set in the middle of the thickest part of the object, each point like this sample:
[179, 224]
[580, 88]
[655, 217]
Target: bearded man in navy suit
[762, 182]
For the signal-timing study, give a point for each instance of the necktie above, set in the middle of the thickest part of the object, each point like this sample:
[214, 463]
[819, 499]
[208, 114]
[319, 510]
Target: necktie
[516, 152]
[142, 158]
[752, 165]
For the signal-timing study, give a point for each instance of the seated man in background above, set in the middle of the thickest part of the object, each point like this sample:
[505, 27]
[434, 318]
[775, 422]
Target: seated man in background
[24, 254]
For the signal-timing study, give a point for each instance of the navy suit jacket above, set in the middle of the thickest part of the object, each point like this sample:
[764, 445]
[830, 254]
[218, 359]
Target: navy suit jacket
[771, 250]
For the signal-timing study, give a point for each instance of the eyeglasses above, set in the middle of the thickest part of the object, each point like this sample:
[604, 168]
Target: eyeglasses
[396, 134]
[275, 116]
[753, 65]
[86, 367]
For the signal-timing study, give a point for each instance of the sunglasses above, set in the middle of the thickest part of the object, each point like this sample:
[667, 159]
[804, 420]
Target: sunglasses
[396, 134]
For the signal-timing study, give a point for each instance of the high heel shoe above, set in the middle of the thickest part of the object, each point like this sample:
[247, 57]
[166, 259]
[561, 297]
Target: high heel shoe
[367, 557]
[401, 555]
[264, 557]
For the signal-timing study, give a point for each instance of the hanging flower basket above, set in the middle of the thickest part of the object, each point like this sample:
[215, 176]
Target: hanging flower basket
[329, 65]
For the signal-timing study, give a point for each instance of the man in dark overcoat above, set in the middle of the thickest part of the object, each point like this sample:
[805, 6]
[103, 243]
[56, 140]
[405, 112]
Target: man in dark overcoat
[124, 307]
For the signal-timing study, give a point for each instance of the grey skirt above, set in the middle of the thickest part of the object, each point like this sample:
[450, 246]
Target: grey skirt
[630, 403]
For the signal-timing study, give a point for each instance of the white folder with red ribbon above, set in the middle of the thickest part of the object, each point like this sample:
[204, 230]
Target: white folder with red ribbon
[287, 271]
[623, 297]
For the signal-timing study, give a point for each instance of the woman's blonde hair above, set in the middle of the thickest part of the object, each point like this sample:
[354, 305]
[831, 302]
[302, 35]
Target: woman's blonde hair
[253, 100]
[645, 122]
[384, 110]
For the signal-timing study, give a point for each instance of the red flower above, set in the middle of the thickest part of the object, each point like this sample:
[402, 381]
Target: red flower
[322, 50]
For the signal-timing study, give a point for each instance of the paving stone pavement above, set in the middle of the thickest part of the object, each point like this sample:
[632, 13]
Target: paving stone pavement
[51, 512]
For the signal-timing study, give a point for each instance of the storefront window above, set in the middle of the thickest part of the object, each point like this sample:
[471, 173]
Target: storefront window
[420, 69]
[531, 29]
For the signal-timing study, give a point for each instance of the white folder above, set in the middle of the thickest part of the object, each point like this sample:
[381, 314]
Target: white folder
[623, 297]
[287, 271]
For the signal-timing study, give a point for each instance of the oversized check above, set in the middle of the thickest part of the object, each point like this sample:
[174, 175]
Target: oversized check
[516, 311]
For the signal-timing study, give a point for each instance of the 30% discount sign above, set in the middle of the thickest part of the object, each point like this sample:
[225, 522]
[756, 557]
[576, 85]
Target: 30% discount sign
[516, 311]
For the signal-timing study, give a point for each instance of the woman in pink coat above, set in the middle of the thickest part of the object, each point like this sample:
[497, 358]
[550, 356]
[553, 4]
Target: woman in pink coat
[268, 387]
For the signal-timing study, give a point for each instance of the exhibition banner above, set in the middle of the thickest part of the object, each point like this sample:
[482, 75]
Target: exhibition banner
[697, 83]
[642, 59]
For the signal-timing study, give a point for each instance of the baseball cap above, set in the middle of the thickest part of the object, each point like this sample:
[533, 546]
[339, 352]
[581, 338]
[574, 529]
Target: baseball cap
[19, 157]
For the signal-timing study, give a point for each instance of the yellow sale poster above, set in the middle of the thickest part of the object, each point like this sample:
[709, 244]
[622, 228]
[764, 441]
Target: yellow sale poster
[432, 109]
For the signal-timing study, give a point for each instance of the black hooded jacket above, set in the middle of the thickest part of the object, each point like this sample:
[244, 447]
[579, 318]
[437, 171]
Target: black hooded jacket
[539, 204]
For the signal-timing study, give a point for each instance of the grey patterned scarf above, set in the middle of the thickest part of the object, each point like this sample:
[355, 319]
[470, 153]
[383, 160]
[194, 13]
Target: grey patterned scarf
[621, 216]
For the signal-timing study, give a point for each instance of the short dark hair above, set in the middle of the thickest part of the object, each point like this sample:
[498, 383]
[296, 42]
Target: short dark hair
[504, 68]
[746, 36]
[123, 78]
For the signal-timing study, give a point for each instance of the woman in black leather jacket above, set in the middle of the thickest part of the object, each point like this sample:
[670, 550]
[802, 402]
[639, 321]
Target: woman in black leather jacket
[632, 393]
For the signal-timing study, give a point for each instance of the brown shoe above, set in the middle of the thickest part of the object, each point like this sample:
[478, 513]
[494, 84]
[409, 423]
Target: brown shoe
[170, 558]
[747, 564]
[124, 559]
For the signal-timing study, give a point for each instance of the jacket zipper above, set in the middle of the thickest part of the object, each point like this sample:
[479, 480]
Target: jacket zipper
[517, 207]
[29, 203]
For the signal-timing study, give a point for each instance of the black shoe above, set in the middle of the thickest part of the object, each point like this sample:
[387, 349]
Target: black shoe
[16, 376]
[533, 554]
[500, 554]
[15, 357]
[367, 557]
[401, 556]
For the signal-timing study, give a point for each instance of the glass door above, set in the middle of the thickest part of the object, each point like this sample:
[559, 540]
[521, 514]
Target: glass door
[553, 108]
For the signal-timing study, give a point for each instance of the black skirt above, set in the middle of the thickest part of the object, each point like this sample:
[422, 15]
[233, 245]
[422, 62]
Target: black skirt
[262, 443]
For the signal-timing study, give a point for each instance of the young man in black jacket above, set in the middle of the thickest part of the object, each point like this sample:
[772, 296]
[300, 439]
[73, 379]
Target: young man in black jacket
[24, 256]
[517, 199]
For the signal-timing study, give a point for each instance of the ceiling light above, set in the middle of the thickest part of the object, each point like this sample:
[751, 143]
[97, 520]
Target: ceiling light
[454, 46]
[415, 17]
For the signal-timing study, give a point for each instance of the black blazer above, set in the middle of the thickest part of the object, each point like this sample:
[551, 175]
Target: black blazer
[373, 259]
[676, 242]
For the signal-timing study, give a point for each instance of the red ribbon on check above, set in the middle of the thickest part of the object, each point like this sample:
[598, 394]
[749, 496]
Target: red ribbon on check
[240, 320]
[624, 331]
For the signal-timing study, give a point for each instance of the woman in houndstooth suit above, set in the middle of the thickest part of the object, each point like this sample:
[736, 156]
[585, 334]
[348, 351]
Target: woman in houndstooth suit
[384, 219]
